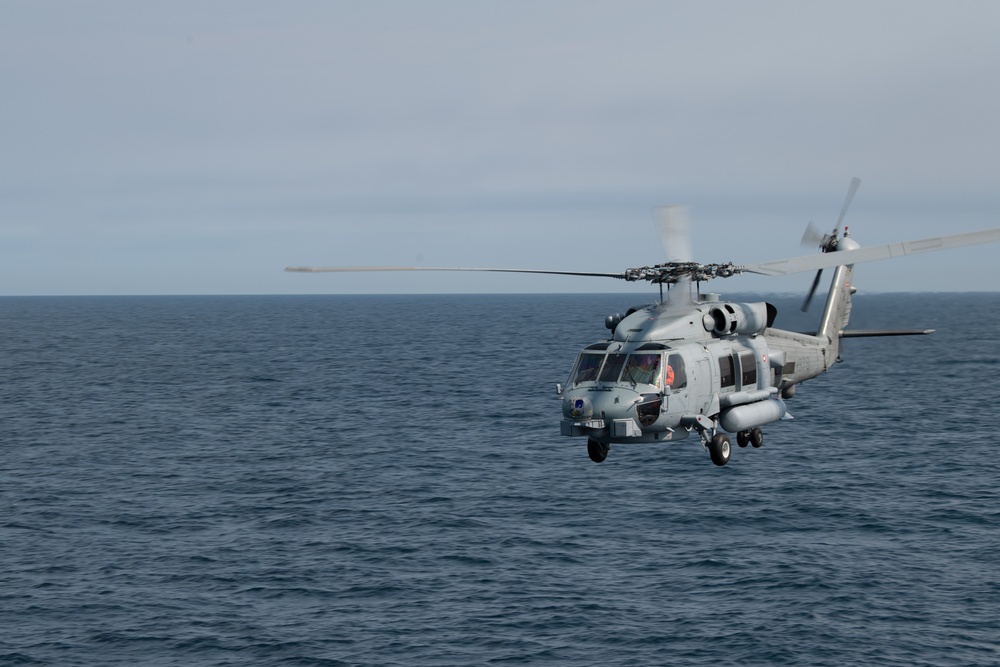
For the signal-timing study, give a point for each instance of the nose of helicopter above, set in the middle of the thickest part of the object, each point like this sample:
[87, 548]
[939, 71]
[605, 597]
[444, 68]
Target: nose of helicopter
[616, 403]
[577, 407]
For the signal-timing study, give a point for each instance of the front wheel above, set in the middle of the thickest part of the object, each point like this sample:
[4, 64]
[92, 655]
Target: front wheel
[597, 451]
[756, 437]
[719, 449]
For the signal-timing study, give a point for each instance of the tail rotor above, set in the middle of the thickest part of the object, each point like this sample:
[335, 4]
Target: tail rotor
[826, 242]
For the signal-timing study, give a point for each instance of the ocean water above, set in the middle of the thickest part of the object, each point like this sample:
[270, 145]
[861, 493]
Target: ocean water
[380, 480]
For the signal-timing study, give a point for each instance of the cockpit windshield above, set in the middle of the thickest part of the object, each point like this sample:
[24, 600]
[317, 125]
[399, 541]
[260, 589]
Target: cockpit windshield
[587, 367]
[642, 369]
[636, 368]
[613, 367]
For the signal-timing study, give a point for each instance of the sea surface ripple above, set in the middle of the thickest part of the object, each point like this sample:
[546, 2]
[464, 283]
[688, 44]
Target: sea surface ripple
[380, 480]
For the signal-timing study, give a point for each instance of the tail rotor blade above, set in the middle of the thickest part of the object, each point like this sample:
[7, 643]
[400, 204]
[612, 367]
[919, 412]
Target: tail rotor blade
[812, 291]
[853, 188]
[812, 237]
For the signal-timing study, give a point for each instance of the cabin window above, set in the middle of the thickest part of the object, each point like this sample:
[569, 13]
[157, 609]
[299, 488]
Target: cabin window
[749, 364]
[675, 376]
[613, 367]
[587, 367]
[642, 369]
[726, 376]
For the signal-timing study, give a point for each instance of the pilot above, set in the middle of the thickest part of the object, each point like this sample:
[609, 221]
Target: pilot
[668, 379]
[676, 377]
[647, 369]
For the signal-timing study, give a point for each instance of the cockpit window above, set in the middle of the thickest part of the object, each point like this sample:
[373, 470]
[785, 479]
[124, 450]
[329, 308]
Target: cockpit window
[587, 367]
[642, 369]
[675, 376]
[613, 367]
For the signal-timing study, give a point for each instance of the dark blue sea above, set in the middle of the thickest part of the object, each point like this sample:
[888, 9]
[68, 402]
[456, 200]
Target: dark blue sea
[380, 480]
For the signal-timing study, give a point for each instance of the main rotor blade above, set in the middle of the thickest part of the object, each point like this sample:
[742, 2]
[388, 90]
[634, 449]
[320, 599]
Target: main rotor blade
[675, 232]
[356, 269]
[780, 267]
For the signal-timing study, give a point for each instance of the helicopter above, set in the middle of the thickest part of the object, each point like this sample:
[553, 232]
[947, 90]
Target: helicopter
[695, 365]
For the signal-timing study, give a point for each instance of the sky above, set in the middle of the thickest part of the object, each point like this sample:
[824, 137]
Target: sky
[201, 147]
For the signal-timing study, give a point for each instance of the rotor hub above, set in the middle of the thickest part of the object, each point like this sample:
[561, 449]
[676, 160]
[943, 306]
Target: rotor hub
[673, 272]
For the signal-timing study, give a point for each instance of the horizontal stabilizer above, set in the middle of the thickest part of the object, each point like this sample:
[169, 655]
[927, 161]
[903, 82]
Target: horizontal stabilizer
[869, 333]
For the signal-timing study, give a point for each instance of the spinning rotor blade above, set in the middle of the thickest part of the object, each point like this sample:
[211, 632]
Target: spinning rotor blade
[677, 272]
[675, 232]
[812, 237]
[781, 267]
[675, 235]
[853, 188]
[357, 269]
[827, 242]
[812, 291]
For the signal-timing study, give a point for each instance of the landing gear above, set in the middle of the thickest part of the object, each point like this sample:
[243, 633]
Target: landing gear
[753, 437]
[597, 451]
[719, 449]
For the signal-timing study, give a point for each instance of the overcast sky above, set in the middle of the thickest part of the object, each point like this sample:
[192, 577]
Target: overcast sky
[201, 147]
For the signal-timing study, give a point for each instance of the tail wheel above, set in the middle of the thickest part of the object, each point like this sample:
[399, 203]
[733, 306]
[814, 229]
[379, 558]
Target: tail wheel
[597, 451]
[742, 439]
[719, 449]
[756, 437]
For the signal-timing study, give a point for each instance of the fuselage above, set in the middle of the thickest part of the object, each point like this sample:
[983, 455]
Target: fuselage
[669, 368]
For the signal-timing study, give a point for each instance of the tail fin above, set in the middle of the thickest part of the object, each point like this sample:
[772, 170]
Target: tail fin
[837, 311]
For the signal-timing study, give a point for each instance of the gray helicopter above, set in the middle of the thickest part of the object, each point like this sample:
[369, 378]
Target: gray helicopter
[696, 364]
